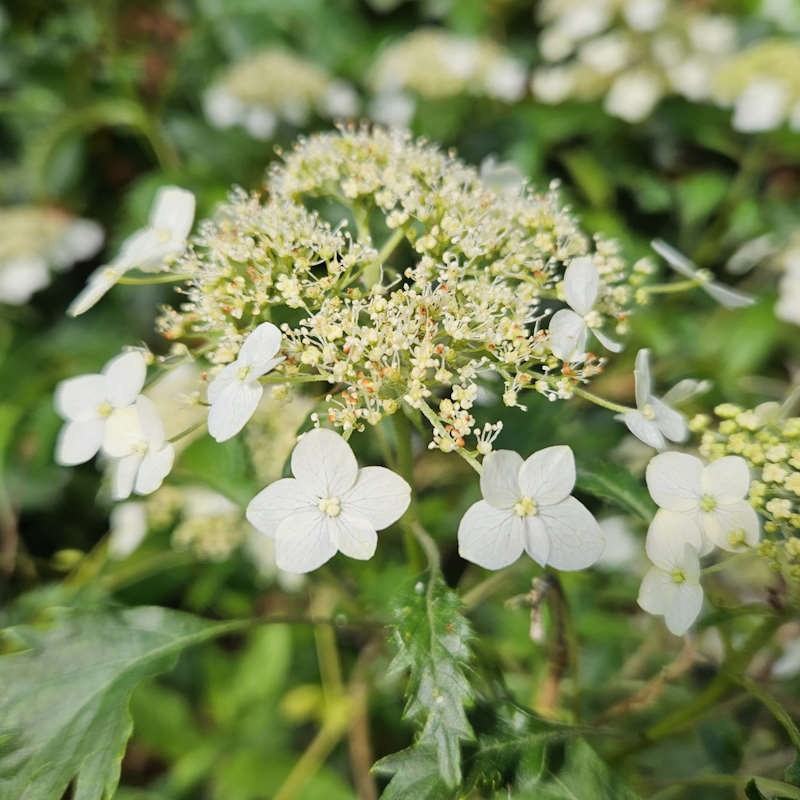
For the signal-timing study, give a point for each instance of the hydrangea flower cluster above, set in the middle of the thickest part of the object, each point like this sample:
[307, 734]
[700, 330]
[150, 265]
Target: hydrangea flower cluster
[35, 240]
[770, 442]
[762, 84]
[431, 63]
[632, 53]
[445, 283]
[276, 85]
[701, 507]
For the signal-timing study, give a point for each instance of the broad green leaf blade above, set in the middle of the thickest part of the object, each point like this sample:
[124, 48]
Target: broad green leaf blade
[64, 702]
[415, 774]
[616, 485]
[432, 639]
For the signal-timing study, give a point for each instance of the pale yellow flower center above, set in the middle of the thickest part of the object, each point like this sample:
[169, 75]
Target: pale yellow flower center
[678, 576]
[243, 373]
[526, 507]
[331, 506]
[736, 538]
[707, 503]
[648, 412]
[104, 409]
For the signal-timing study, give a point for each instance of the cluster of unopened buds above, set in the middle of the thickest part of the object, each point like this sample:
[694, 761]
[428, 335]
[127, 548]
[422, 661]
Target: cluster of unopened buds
[495, 286]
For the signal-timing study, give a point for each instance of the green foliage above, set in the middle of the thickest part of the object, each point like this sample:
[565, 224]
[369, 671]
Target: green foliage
[617, 486]
[432, 640]
[65, 698]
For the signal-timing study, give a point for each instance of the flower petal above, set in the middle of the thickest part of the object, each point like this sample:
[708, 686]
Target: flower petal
[645, 430]
[687, 601]
[78, 399]
[581, 284]
[727, 297]
[324, 462]
[547, 476]
[670, 422]
[576, 539]
[225, 378]
[79, 441]
[353, 535]
[656, 592]
[610, 344]
[154, 468]
[726, 479]
[260, 347]
[272, 505]
[128, 524]
[123, 475]
[674, 481]
[98, 284]
[642, 379]
[122, 434]
[303, 542]
[568, 334]
[500, 478]
[738, 519]
[537, 542]
[233, 408]
[668, 535]
[126, 374]
[489, 537]
[379, 495]
[173, 211]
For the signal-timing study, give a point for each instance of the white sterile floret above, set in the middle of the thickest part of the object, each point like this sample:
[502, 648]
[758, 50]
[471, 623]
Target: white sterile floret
[527, 506]
[148, 249]
[704, 505]
[234, 394]
[134, 438]
[671, 587]
[633, 95]
[569, 327]
[654, 421]
[87, 402]
[761, 106]
[725, 296]
[330, 505]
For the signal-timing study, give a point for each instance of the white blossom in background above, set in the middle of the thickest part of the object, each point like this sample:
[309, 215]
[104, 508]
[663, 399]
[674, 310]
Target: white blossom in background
[622, 547]
[329, 506]
[134, 439]
[724, 295]
[88, 402]
[128, 528]
[234, 394]
[644, 15]
[671, 587]
[148, 249]
[393, 109]
[569, 328]
[761, 106]
[502, 177]
[552, 84]
[788, 306]
[35, 240]
[703, 504]
[633, 95]
[653, 421]
[527, 507]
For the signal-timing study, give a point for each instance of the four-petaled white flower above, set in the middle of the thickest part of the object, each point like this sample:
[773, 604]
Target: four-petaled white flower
[702, 505]
[569, 327]
[527, 506]
[330, 505]
[148, 249]
[671, 587]
[87, 402]
[724, 295]
[234, 394]
[134, 438]
[653, 421]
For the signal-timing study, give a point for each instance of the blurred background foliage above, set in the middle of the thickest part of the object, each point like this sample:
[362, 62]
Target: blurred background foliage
[101, 103]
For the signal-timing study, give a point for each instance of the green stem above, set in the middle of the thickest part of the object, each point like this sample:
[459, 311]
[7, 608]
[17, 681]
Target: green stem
[434, 420]
[726, 678]
[405, 466]
[171, 278]
[669, 288]
[774, 708]
[389, 245]
[599, 401]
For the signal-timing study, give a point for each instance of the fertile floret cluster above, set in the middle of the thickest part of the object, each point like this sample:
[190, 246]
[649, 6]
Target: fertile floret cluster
[276, 85]
[770, 442]
[630, 52]
[37, 239]
[397, 275]
[432, 64]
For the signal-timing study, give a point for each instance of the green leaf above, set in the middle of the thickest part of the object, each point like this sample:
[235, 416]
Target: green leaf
[699, 194]
[768, 789]
[432, 639]
[617, 486]
[64, 701]
[415, 774]
[581, 775]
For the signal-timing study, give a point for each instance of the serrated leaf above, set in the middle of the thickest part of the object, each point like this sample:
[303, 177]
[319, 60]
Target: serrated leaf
[415, 773]
[64, 701]
[432, 639]
[616, 485]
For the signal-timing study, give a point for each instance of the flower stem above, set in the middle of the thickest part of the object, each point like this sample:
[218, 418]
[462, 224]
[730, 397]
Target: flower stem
[171, 278]
[405, 466]
[434, 420]
[600, 401]
[673, 286]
